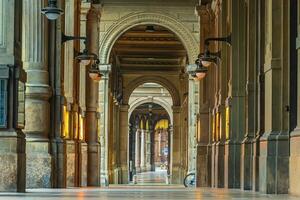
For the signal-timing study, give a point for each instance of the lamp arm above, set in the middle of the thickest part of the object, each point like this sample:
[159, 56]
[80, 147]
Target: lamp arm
[65, 38]
[221, 39]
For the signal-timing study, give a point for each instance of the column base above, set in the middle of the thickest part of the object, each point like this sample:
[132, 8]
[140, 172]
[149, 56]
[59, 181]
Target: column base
[13, 161]
[295, 162]
[58, 172]
[273, 162]
[255, 164]
[202, 165]
[121, 175]
[71, 161]
[38, 164]
[219, 162]
[232, 164]
[177, 176]
[93, 167]
[246, 164]
[83, 157]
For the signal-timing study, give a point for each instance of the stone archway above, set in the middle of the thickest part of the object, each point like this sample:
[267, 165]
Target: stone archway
[189, 41]
[153, 79]
[158, 101]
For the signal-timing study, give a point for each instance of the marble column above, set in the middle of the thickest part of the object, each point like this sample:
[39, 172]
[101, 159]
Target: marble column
[274, 144]
[92, 89]
[137, 151]
[104, 124]
[143, 150]
[38, 92]
[12, 139]
[295, 135]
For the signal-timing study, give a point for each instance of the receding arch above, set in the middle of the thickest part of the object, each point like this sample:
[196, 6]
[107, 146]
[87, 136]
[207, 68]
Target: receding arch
[189, 41]
[158, 101]
[152, 79]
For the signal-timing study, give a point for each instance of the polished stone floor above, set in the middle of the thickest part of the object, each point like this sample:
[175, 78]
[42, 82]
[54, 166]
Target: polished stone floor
[140, 192]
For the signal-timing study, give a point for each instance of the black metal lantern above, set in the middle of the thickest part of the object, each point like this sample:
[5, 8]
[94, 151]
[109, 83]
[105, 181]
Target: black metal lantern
[51, 11]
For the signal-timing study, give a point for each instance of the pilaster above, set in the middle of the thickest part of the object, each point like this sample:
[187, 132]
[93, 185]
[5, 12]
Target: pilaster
[104, 124]
[295, 134]
[274, 144]
[251, 106]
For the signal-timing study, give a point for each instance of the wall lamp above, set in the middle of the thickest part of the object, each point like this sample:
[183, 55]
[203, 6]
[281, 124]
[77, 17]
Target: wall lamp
[200, 72]
[207, 58]
[86, 57]
[51, 11]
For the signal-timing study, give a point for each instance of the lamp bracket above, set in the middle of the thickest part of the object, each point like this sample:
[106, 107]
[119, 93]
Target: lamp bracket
[220, 39]
[65, 38]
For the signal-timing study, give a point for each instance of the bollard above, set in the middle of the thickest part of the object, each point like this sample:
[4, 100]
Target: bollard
[134, 179]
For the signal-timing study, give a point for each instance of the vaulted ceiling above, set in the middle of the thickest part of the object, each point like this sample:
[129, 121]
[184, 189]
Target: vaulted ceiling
[142, 49]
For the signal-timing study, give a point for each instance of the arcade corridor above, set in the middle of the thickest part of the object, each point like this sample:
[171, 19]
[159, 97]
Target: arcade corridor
[125, 99]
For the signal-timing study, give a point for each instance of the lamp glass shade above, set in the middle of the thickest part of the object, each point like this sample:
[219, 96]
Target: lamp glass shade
[93, 75]
[52, 15]
[205, 63]
[200, 75]
[85, 62]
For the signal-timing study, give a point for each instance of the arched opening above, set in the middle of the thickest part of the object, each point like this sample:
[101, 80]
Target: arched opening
[150, 121]
[151, 65]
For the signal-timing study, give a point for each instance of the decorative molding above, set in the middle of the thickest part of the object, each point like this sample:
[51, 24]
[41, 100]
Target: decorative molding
[189, 41]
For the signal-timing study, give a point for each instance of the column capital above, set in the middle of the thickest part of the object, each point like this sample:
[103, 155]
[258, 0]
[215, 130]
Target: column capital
[105, 68]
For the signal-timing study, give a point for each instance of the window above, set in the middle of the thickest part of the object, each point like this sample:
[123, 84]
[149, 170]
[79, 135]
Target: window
[3, 103]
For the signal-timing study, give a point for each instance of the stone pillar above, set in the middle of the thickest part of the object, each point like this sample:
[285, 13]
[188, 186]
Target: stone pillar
[203, 165]
[295, 135]
[236, 96]
[177, 167]
[92, 89]
[137, 151]
[123, 144]
[38, 92]
[143, 150]
[251, 105]
[104, 123]
[274, 144]
[148, 150]
[12, 139]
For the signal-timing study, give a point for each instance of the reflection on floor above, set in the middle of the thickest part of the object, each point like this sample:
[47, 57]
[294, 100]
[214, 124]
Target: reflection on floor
[157, 177]
[139, 192]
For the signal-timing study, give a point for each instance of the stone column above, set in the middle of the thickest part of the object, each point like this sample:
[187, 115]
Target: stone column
[148, 150]
[123, 144]
[251, 105]
[92, 89]
[143, 150]
[137, 150]
[38, 92]
[177, 167]
[203, 165]
[12, 139]
[104, 123]
[236, 96]
[274, 144]
[295, 135]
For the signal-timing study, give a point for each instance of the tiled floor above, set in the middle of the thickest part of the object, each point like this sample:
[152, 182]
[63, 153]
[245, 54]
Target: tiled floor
[139, 192]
